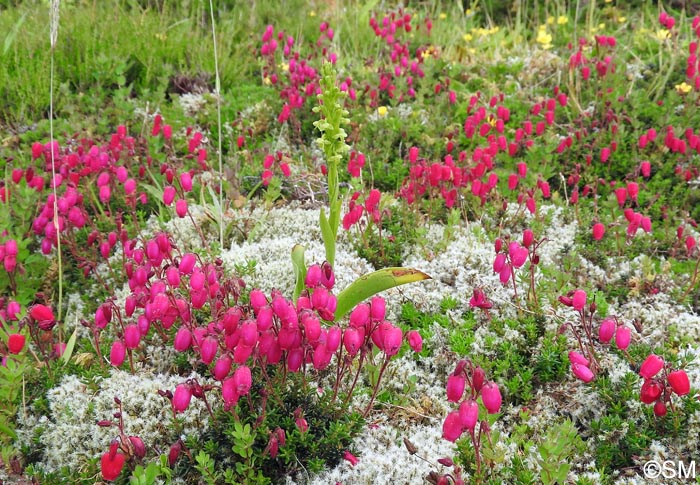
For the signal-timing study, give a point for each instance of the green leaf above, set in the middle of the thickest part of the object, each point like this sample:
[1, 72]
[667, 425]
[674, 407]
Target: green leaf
[373, 283]
[7, 431]
[11, 36]
[68, 353]
[328, 237]
[299, 269]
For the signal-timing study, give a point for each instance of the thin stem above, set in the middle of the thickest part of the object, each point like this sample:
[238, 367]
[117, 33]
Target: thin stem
[354, 382]
[218, 122]
[55, 191]
[376, 387]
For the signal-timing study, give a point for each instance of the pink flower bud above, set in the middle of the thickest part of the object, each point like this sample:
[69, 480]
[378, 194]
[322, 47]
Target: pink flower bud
[679, 382]
[350, 457]
[606, 330]
[111, 465]
[41, 313]
[455, 387]
[660, 409]
[182, 398]
[187, 263]
[528, 237]
[491, 397]
[352, 339]
[183, 339]
[222, 368]
[139, 447]
[242, 379]
[582, 372]
[176, 447]
[598, 231]
[335, 335]
[650, 392]
[302, 425]
[517, 253]
[327, 275]
[452, 427]
[377, 309]
[499, 263]
[577, 358]
[469, 413]
[313, 276]
[132, 336]
[15, 343]
[322, 357]
[186, 181]
[651, 366]
[117, 354]
[359, 317]
[208, 349]
[181, 208]
[169, 194]
[578, 300]
[228, 392]
[645, 168]
[393, 336]
[415, 341]
[623, 336]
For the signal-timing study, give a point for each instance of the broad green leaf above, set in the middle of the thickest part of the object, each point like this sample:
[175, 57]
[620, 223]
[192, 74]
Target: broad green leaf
[328, 237]
[373, 283]
[299, 269]
[70, 345]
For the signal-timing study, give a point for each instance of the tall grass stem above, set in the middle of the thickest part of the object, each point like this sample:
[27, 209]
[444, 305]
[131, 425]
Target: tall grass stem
[218, 122]
[54, 16]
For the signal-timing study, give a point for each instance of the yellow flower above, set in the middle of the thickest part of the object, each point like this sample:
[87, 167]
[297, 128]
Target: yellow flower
[562, 19]
[312, 13]
[284, 66]
[662, 34]
[161, 37]
[544, 38]
[443, 16]
[382, 111]
[550, 20]
[467, 37]
[622, 20]
[469, 12]
[683, 88]
[266, 81]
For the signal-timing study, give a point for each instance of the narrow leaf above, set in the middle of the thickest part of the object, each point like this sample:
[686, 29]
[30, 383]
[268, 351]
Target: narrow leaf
[9, 40]
[68, 353]
[299, 269]
[373, 283]
[328, 237]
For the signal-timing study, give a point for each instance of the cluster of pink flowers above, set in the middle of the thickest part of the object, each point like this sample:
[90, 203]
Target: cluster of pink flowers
[435, 179]
[512, 257]
[8, 255]
[660, 383]
[356, 162]
[397, 77]
[369, 206]
[464, 386]
[272, 161]
[584, 364]
[168, 288]
[692, 70]
[299, 79]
